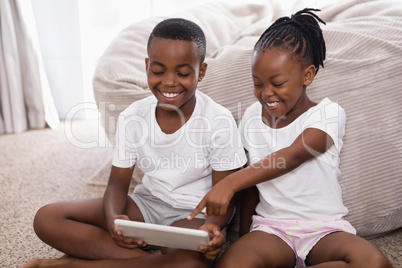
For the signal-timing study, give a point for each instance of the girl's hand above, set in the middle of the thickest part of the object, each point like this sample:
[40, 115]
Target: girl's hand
[212, 250]
[216, 201]
[123, 241]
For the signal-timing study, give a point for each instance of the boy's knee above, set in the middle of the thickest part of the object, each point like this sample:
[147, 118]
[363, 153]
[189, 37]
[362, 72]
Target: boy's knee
[43, 217]
[196, 264]
[181, 259]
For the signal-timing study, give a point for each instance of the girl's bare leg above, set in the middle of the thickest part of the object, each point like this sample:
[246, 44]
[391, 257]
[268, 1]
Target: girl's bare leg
[341, 249]
[78, 229]
[258, 249]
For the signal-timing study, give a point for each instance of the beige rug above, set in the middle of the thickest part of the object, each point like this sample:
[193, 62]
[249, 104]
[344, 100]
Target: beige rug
[39, 167]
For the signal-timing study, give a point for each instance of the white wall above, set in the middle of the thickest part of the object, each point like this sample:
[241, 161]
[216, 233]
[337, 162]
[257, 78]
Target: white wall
[73, 35]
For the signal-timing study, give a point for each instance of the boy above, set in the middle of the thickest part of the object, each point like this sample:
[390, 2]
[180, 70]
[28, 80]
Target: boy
[183, 142]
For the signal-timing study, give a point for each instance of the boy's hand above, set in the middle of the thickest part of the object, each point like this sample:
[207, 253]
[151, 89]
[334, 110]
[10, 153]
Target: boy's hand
[123, 241]
[216, 201]
[212, 250]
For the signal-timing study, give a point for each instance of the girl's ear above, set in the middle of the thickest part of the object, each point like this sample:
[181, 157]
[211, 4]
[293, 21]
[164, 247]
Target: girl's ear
[309, 75]
[203, 70]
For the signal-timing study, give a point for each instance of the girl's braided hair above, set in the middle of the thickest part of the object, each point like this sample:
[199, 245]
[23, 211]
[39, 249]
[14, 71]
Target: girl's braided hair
[300, 34]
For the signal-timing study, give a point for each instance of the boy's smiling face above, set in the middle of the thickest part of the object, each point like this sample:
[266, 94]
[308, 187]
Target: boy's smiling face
[173, 70]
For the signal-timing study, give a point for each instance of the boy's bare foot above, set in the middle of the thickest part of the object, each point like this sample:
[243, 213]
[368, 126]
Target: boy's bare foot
[60, 262]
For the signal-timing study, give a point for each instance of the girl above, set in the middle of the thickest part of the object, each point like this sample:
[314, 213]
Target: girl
[293, 145]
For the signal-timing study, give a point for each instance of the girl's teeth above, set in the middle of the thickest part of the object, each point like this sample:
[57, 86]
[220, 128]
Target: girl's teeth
[271, 104]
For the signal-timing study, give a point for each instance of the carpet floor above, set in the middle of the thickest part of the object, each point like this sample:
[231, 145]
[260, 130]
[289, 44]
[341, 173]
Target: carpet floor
[38, 167]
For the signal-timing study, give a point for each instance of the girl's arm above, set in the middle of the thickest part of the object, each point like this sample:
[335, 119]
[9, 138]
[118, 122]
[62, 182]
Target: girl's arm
[311, 143]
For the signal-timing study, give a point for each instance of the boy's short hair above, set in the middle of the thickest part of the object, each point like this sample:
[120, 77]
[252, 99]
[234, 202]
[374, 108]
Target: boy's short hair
[180, 29]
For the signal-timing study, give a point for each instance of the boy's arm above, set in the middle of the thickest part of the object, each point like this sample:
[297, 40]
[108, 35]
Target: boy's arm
[115, 197]
[115, 202]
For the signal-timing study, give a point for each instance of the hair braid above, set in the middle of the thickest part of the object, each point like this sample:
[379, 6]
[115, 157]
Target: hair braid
[300, 33]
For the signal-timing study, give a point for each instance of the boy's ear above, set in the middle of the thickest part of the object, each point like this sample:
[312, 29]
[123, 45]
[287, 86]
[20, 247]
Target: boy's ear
[203, 70]
[146, 64]
[309, 75]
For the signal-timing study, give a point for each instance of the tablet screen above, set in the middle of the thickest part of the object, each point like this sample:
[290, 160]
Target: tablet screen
[164, 236]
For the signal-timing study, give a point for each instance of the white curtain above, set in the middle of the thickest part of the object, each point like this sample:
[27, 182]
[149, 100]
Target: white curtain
[25, 98]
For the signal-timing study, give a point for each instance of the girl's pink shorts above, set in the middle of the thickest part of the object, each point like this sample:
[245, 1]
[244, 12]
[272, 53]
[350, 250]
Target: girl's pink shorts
[300, 235]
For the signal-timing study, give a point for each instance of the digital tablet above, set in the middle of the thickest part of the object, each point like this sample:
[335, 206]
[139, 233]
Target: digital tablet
[164, 236]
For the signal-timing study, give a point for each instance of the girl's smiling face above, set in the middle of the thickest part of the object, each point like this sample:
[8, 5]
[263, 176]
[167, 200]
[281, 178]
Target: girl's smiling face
[173, 71]
[280, 84]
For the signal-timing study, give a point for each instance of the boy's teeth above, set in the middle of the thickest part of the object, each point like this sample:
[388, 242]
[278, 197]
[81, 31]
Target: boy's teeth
[272, 103]
[170, 95]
